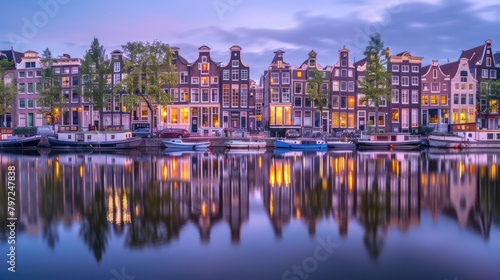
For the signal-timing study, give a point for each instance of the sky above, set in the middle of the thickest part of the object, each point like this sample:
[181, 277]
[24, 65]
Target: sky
[432, 29]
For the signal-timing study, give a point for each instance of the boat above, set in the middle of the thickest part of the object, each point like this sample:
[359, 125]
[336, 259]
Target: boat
[340, 145]
[175, 143]
[14, 142]
[239, 144]
[300, 144]
[466, 136]
[94, 140]
[390, 141]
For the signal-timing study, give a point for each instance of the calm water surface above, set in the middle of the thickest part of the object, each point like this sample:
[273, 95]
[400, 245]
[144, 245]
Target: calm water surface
[269, 215]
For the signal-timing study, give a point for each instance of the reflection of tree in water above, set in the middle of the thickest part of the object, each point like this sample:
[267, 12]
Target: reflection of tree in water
[372, 216]
[486, 206]
[94, 226]
[317, 203]
[159, 222]
[51, 208]
[4, 231]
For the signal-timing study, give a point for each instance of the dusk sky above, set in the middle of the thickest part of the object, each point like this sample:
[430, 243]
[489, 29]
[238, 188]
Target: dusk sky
[433, 29]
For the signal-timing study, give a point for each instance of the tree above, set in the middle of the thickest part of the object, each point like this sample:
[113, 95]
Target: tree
[94, 73]
[489, 97]
[8, 89]
[149, 70]
[51, 98]
[376, 86]
[317, 93]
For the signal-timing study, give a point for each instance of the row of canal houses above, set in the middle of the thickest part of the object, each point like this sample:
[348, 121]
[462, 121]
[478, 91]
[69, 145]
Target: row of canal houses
[211, 95]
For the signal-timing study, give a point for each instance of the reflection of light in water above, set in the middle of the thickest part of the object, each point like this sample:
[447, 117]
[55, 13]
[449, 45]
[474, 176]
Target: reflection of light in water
[350, 180]
[461, 169]
[213, 207]
[271, 207]
[493, 172]
[297, 213]
[136, 210]
[423, 180]
[165, 172]
[81, 171]
[280, 174]
[260, 162]
[185, 170]
[204, 209]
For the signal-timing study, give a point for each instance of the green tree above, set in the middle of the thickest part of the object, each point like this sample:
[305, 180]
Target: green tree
[94, 73]
[489, 98]
[51, 98]
[376, 86]
[317, 94]
[8, 89]
[149, 70]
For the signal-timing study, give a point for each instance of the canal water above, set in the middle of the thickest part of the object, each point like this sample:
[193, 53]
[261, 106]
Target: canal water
[253, 215]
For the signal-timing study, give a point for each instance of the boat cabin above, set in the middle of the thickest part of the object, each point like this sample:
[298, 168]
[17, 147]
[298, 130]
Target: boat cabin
[93, 136]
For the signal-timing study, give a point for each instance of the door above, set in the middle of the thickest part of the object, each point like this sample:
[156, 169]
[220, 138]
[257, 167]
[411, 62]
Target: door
[30, 119]
[361, 123]
[194, 124]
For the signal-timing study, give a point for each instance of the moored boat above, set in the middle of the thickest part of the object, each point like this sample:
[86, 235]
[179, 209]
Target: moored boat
[340, 145]
[239, 144]
[94, 140]
[300, 144]
[14, 142]
[390, 141]
[179, 144]
[466, 136]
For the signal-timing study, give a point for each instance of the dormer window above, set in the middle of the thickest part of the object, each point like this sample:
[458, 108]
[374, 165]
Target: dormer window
[204, 59]
[312, 62]
[235, 63]
[343, 62]
[488, 61]
[280, 64]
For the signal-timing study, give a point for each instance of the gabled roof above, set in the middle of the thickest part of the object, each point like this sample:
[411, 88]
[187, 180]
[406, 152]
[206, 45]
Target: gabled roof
[425, 69]
[12, 55]
[277, 55]
[473, 55]
[360, 62]
[450, 68]
[497, 58]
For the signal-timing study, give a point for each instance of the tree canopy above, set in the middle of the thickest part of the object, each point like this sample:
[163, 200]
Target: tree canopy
[8, 89]
[51, 98]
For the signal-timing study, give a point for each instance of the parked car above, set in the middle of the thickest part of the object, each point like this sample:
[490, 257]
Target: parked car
[174, 133]
[143, 132]
[292, 133]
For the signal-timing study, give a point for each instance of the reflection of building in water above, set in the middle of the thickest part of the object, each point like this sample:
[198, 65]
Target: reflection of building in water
[463, 185]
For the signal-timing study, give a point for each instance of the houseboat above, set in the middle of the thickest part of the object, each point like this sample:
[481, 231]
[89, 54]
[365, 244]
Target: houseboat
[300, 144]
[390, 141]
[466, 136]
[14, 142]
[94, 140]
[239, 144]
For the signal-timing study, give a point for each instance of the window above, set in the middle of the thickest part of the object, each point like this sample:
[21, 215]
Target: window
[343, 62]
[195, 80]
[298, 88]
[285, 78]
[343, 73]
[443, 100]
[335, 102]
[31, 88]
[349, 72]
[299, 74]
[395, 115]
[275, 78]
[235, 96]
[204, 68]
[117, 67]
[414, 96]
[225, 75]
[307, 118]
[471, 99]
[493, 74]
[297, 117]
[335, 86]
[244, 75]
[244, 95]
[38, 73]
[215, 117]
[395, 96]
[75, 80]
[343, 86]
[225, 96]
[66, 70]
[381, 119]
[350, 86]
[175, 94]
[22, 103]
[204, 95]
[404, 96]
[74, 70]
[488, 62]
[455, 99]
[30, 64]
[297, 102]
[30, 74]
[434, 100]
[395, 68]
[350, 102]
[174, 115]
[343, 102]
[484, 73]
[395, 80]
[463, 98]
[184, 95]
[22, 74]
[414, 69]
[215, 95]
[405, 68]
[414, 81]
[343, 120]
[285, 95]
[275, 95]
[336, 73]
[204, 81]
[434, 87]
[405, 81]
[383, 101]
[195, 95]
[183, 78]
[308, 102]
[235, 63]
[235, 75]
[425, 100]
[335, 119]
[22, 88]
